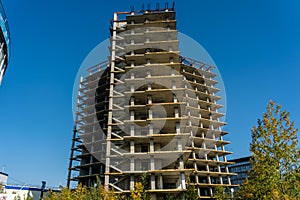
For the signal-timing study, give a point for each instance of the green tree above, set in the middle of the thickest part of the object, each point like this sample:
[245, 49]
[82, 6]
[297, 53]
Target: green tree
[170, 197]
[145, 183]
[139, 192]
[191, 192]
[275, 158]
[220, 193]
[96, 192]
[136, 194]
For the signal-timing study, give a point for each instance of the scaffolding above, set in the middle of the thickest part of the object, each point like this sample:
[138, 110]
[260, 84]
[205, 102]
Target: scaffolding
[149, 110]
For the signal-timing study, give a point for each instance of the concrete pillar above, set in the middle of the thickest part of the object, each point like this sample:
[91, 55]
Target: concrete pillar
[131, 146]
[150, 113]
[176, 112]
[131, 182]
[173, 85]
[151, 146]
[181, 165]
[179, 144]
[172, 69]
[131, 130]
[160, 182]
[208, 179]
[177, 128]
[149, 99]
[150, 129]
[182, 177]
[210, 192]
[132, 115]
[152, 182]
[174, 98]
[229, 181]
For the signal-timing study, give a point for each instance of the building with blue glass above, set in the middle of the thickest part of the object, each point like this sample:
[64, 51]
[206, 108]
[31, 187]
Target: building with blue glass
[4, 42]
[240, 167]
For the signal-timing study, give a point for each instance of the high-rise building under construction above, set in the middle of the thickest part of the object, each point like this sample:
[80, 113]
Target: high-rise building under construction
[149, 112]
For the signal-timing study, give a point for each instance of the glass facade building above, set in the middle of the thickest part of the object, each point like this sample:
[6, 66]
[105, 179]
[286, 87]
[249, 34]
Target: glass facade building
[4, 42]
[240, 167]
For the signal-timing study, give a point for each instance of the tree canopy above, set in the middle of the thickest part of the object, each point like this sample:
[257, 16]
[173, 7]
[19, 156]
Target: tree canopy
[275, 158]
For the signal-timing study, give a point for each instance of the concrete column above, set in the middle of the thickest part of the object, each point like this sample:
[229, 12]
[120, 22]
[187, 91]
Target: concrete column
[217, 157]
[132, 75]
[182, 177]
[181, 165]
[223, 148]
[152, 163]
[172, 69]
[173, 85]
[210, 192]
[132, 130]
[174, 98]
[152, 182]
[208, 179]
[160, 182]
[131, 146]
[213, 136]
[177, 128]
[177, 112]
[90, 170]
[131, 182]
[150, 129]
[131, 115]
[149, 99]
[229, 181]
[150, 113]
[132, 164]
[179, 144]
[151, 146]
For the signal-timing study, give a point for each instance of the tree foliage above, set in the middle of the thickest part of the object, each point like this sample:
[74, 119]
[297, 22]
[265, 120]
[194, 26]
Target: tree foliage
[191, 192]
[221, 194]
[139, 193]
[82, 193]
[98, 192]
[275, 158]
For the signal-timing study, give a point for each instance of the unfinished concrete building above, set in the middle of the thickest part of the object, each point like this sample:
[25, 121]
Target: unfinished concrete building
[149, 110]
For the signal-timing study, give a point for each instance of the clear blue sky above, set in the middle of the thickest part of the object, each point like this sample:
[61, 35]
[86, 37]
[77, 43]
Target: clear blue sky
[256, 45]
